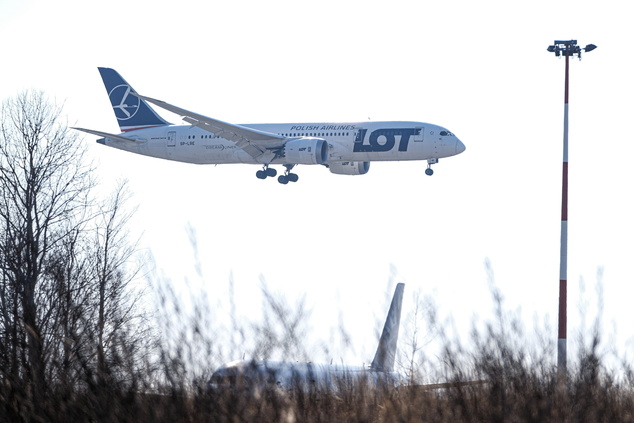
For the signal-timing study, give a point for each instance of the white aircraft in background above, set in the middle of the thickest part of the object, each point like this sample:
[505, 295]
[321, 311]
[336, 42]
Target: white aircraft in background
[344, 148]
[306, 376]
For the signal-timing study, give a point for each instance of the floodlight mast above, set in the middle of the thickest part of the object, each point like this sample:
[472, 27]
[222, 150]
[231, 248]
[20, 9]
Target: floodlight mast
[567, 49]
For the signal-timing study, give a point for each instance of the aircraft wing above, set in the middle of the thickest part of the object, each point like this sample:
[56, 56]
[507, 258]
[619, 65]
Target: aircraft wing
[258, 144]
[111, 136]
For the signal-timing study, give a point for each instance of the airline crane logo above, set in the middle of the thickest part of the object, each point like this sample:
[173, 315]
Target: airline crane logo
[125, 105]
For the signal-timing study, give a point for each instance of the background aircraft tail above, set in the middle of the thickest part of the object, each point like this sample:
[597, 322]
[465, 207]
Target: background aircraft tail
[386, 352]
[131, 111]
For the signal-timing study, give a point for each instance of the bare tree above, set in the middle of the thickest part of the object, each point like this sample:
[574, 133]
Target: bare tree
[44, 186]
[67, 319]
[114, 269]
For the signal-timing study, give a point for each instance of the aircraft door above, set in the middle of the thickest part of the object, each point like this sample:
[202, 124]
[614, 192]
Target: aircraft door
[420, 135]
[171, 139]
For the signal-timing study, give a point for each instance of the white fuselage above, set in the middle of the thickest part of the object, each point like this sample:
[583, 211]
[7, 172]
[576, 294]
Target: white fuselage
[360, 141]
[304, 376]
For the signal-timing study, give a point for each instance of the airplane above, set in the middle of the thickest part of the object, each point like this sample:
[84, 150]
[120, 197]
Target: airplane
[253, 375]
[344, 148]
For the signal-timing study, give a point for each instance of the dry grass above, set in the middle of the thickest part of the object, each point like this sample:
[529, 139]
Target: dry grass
[498, 377]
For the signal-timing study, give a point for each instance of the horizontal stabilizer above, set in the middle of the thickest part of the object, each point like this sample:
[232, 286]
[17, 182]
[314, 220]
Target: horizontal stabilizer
[111, 136]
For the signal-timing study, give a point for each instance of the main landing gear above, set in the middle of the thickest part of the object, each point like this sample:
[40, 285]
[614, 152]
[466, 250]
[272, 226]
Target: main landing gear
[284, 179]
[287, 176]
[429, 171]
[266, 172]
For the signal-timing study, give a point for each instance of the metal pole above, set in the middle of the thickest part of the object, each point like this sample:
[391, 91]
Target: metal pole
[563, 261]
[568, 48]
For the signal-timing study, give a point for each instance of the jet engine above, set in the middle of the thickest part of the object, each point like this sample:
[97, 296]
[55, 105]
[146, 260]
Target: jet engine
[306, 151]
[349, 168]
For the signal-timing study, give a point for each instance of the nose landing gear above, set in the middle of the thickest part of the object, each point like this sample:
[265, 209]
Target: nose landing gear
[429, 171]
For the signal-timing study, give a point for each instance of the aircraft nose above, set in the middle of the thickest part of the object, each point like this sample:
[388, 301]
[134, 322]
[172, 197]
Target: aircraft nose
[460, 147]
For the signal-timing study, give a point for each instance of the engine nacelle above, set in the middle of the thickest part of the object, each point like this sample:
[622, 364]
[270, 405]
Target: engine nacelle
[306, 151]
[349, 168]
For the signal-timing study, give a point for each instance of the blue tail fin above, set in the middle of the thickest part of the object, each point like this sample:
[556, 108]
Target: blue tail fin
[386, 352]
[131, 111]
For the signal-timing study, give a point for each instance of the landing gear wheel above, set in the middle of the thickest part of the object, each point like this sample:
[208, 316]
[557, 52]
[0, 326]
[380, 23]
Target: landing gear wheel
[288, 176]
[266, 172]
[430, 162]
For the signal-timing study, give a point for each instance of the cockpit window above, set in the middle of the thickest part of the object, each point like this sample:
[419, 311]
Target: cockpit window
[446, 134]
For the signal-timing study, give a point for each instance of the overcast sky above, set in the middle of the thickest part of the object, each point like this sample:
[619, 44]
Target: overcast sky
[480, 69]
